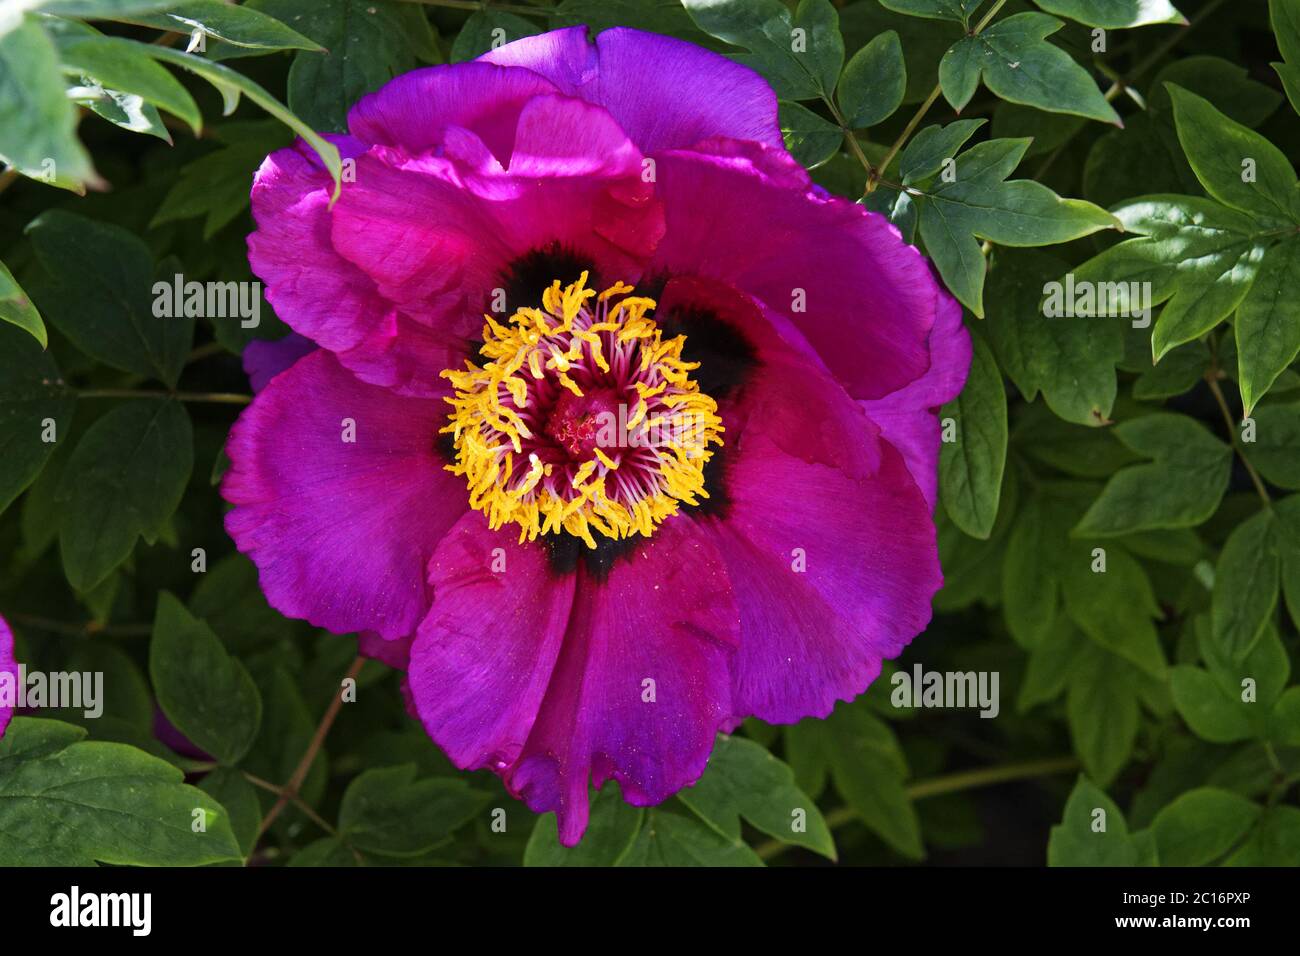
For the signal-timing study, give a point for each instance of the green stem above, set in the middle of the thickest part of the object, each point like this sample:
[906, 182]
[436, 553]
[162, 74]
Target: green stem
[873, 175]
[854, 146]
[221, 398]
[290, 791]
[1212, 376]
[1212, 379]
[950, 783]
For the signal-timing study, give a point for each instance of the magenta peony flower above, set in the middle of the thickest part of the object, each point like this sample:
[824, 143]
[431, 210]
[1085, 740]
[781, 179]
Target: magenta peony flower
[622, 422]
[8, 666]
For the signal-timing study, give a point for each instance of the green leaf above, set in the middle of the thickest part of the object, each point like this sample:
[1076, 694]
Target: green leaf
[895, 204]
[1267, 328]
[669, 839]
[611, 832]
[1288, 517]
[970, 468]
[810, 139]
[972, 201]
[327, 851]
[1284, 722]
[241, 26]
[869, 773]
[1030, 585]
[38, 123]
[1178, 372]
[1275, 452]
[100, 295]
[1210, 711]
[955, 10]
[216, 186]
[368, 43]
[1265, 667]
[1052, 664]
[34, 406]
[1199, 257]
[228, 787]
[120, 65]
[1284, 17]
[486, 29]
[933, 146]
[744, 780]
[286, 733]
[126, 110]
[1018, 65]
[1146, 156]
[1090, 453]
[1102, 712]
[1092, 831]
[16, 308]
[1220, 150]
[800, 65]
[1275, 841]
[1202, 825]
[389, 812]
[99, 9]
[1070, 360]
[656, 16]
[1180, 488]
[924, 41]
[1049, 131]
[873, 83]
[232, 84]
[204, 691]
[1115, 14]
[1246, 584]
[1115, 607]
[125, 478]
[65, 803]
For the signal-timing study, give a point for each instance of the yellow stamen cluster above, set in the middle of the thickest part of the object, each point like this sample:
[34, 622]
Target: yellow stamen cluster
[607, 340]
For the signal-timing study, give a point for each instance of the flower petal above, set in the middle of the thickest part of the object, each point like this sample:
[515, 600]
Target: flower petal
[340, 530]
[842, 275]
[788, 395]
[665, 93]
[428, 240]
[483, 657]
[831, 574]
[265, 359]
[414, 111]
[8, 675]
[311, 287]
[908, 418]
[395, 652]
[642, 684]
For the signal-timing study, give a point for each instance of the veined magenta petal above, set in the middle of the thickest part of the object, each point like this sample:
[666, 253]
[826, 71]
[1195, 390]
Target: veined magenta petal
[665, 93]
[560, 136]
[863, 298]
[642, 684]
[831, 574]
[313, 289]
[413, 111]
[908, 418]
[789, 396]
[483, 657]
[340, 498]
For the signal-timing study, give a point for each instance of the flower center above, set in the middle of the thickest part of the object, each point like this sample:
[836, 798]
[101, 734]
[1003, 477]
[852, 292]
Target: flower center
[581, 419]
